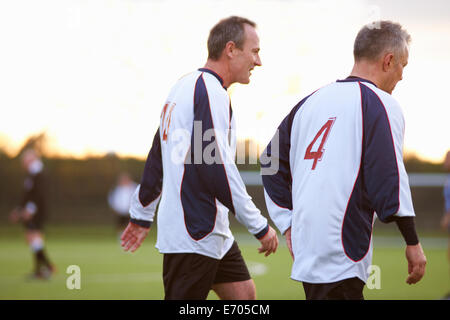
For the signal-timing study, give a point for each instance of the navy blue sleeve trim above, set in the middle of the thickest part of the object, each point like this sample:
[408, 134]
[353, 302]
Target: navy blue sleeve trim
[262, 233]
[407, 227]
[141, 223]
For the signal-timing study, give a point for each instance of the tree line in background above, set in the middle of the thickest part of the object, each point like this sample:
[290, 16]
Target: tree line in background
[85, 183]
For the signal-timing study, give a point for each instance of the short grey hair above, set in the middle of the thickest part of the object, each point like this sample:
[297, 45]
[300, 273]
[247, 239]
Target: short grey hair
[376, 38]
[229, 29]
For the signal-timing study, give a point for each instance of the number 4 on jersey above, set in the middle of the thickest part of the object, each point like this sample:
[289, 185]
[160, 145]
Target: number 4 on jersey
[324, 132]
[166, 120]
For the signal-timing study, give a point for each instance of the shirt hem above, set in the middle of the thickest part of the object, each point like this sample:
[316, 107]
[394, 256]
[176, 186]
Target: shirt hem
[343, 277]
[226, 247]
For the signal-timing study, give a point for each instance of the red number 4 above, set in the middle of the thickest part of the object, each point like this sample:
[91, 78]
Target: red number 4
[324, 132]
[166, 121]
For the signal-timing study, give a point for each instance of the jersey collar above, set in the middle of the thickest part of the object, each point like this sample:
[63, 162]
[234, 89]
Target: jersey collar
[354, 79]
[214, 74]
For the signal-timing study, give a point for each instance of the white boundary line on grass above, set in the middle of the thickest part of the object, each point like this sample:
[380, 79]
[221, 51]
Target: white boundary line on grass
[257, 268]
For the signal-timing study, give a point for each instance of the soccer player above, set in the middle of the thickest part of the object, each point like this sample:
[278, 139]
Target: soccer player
[339, 153]
[119, 199]
[31, 212]
[190, 172]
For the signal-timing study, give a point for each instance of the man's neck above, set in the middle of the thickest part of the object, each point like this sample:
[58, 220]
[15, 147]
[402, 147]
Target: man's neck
[221, 69]
[366, 70]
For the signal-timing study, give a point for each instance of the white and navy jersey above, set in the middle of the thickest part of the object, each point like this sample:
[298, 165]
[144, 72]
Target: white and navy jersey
[340, 163]
[190, 171]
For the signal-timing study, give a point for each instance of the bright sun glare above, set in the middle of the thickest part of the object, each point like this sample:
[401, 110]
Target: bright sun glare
[94, 75]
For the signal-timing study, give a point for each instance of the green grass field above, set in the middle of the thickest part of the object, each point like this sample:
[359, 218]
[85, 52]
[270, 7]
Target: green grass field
[109, 273]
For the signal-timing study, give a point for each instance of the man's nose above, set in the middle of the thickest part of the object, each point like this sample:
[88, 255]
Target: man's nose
[258, 61]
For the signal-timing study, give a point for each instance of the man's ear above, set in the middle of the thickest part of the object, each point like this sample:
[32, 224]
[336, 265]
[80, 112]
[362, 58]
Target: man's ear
[230, 47]
[388, 61]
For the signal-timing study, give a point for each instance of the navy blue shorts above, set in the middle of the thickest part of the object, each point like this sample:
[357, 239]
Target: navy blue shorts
[36, 223]
[348, 289]
[190, 276]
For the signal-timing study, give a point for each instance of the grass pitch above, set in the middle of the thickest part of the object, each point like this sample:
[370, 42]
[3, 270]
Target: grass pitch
[109, 273]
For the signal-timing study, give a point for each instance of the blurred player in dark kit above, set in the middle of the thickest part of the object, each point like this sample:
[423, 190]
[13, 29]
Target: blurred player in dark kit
[32, 211]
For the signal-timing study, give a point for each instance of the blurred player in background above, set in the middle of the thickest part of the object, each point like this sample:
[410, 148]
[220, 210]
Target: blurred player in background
[32, 212]
[195, 147]
[340, 161]
[119, 200]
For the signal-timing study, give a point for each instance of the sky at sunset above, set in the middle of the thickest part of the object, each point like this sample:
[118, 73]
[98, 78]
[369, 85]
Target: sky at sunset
[95, 74]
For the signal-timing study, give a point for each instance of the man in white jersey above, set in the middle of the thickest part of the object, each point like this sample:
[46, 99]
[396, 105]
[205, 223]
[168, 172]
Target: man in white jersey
[195, 147]
[340, 163]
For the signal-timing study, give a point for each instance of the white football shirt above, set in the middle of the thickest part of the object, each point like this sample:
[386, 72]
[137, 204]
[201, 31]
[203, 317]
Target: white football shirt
[190, 171]
[340, 163]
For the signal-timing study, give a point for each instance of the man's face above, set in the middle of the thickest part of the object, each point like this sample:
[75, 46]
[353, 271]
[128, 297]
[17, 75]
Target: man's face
[247, 58]
[395, 74]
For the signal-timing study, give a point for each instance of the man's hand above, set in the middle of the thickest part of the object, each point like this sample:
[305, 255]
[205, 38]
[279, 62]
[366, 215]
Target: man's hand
[133, 236]
[269, 242]
[287, 235]
[416, 263]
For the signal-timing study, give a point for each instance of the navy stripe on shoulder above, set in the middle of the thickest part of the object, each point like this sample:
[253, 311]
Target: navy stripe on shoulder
[376, 187]
[204, 180]
[214, 74]
[380, 161]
